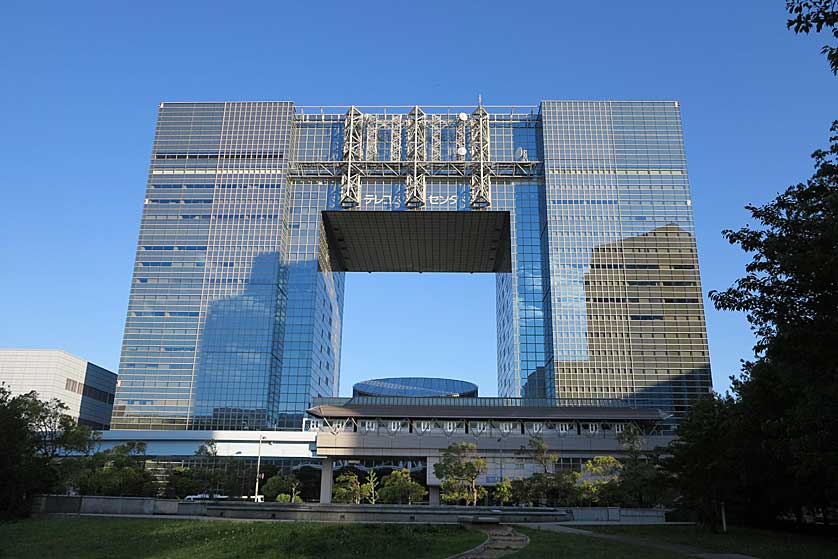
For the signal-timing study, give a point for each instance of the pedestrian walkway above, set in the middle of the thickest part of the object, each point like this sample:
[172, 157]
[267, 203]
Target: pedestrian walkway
[502, 541]
[686, 550]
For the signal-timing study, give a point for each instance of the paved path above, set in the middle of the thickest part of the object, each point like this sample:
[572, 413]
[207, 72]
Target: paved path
[687, 550]
[502, 541]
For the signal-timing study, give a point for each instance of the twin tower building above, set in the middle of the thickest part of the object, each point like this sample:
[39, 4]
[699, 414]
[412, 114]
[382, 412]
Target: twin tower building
[256, 211]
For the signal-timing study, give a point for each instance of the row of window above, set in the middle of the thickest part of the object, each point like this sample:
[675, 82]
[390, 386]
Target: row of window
[88, 391]
[478, 428]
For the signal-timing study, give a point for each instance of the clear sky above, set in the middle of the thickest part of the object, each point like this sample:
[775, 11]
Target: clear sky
[80, 83]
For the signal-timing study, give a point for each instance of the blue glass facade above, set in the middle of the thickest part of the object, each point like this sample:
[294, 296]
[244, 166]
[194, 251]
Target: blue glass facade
[235, 314]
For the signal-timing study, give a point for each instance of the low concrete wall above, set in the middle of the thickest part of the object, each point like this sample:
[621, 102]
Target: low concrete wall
[90, 504]
[65, 504]
[381, 513]
[617, 515]
[192, 508]
[642, 516]
[117, 505]
[58, 504]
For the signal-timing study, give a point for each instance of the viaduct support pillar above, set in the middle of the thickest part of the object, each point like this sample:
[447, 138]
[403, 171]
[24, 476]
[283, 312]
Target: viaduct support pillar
[326, 481]
[433, 495]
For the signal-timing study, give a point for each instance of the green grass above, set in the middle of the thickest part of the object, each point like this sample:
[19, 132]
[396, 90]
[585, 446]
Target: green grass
[765, 544]
[547, 545]
[94, 538]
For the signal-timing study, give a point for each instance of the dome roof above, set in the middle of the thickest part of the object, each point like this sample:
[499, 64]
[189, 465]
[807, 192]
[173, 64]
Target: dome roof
[415, 386]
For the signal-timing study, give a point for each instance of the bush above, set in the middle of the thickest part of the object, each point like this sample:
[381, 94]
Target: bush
[286, 498]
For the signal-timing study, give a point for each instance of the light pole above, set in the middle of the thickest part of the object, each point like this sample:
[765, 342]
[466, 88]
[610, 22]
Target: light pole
[258, 467]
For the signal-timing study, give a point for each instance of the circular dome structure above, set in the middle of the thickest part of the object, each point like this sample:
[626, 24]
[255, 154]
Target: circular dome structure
[415, 387]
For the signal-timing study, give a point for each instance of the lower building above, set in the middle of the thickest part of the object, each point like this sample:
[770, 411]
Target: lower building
[86, 389]
[365, 433]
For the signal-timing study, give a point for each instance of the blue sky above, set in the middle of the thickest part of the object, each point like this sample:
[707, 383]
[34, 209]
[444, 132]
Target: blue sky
[81, 83]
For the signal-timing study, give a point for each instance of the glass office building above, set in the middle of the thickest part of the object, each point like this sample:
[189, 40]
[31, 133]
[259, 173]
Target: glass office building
[255, 212]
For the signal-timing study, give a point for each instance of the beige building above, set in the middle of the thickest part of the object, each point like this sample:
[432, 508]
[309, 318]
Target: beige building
[87, 389]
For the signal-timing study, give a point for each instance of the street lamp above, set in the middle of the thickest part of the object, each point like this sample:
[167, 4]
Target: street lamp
[258, 466]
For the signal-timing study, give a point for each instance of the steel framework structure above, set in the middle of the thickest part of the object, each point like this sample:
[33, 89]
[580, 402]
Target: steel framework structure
[410, 147]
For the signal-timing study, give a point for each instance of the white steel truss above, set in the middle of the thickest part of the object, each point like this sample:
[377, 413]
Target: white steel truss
[364, 154]
[353, 152]
[436, 137]
[416, 154]
[481, 173]
[460, 138]
[395, 126]
[371, 128]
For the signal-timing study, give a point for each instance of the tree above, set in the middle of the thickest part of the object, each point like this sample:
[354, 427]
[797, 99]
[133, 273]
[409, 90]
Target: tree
[558, 488]
[786, 400]
[347, 489]
[817, 15]
[458, 468]
[503, 491]
[599, 476]
[540, 453]
[370, 488]
[24, 472]
[55, 433]
[277, 485]
[704, 460]
[119, 471]
[399, 487]
[35, 436]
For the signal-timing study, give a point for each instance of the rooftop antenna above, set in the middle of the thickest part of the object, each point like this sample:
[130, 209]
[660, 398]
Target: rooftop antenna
[479, 99]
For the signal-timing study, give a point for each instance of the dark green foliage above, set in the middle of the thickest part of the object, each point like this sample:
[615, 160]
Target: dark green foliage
[818, 15]
[556, 489]
[772, 447]
[347, 489]
[276, 485]
[119, 471]
[184, 481]
[34, 436]
[399, 487]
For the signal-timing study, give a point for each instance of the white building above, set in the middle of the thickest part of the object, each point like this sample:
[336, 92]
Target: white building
[85, 388]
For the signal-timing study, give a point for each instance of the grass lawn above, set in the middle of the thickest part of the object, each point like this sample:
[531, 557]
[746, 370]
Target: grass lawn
[93, 538]
[765, 544]
[547, 545]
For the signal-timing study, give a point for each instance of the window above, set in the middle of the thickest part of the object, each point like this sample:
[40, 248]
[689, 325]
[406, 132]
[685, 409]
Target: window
[536, 428]
[369, 425]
